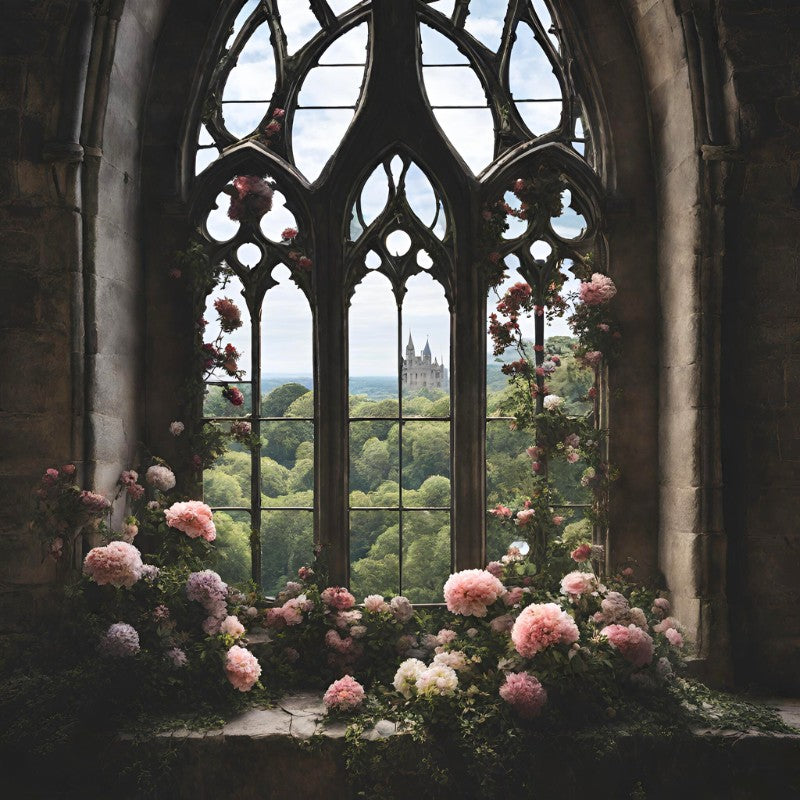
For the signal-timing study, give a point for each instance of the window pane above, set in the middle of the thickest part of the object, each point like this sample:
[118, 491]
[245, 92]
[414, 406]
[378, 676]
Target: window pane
[374, 460]
[426, 374]
[374, 553]
[227, 482]
[216, 405]
[227, 323]
[373, 352]
[286, 336]
[508, 466]
[287, 543]
[426, 463]
[233, 546]
[287, 463]
[426, 555]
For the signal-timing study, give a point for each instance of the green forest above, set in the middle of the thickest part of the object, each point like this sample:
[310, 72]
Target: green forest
[287, 480]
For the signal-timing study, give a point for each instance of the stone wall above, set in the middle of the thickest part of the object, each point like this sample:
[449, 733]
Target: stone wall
[700, 111]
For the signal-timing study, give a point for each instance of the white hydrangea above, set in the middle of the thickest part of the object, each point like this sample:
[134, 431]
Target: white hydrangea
[162, 478]
[437, 679]
[454, 659]
[552, 402]
[401, 608]
[407, 675]
[176, 428]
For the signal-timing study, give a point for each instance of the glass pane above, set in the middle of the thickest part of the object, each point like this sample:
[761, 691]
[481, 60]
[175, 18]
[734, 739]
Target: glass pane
[438, 49]
[233, 546]
[374, 457]
[227, 325]
[575, 525]
[287, 543]
[299, 23]
[373, 352]
[426, 374]
[287, 463]
[278, 220]
[218, 224]
[227, 482]
[286, 336]
[471, 132]
[253, 77]
[426, 555]
[566, 478]
[374, 553]
[242, 119]
[315, 136]
[286, 399]
[331, 86]
[203, 158]
[426, 463]
[508, 466]
[350, 47]
[570, 224]
[215, 404]
[485, 21]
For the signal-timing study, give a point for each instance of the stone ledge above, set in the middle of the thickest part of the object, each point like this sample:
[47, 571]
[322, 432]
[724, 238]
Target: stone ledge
[291, 752]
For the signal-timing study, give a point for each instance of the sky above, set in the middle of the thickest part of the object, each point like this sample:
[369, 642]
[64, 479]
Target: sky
[286, 319]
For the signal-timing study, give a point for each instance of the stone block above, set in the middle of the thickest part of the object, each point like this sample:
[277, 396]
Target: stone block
[19, 295]
[259, 724]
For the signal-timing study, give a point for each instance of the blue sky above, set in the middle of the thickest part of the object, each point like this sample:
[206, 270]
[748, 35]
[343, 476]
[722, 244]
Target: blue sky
[286, 319]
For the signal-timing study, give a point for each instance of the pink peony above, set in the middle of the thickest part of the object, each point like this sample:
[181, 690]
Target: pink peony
[230, 317]
[375, 603]
[558, 519]
[120, 641]
[667, 622]
[661, 606]
[581, 553]
[337, 597]
[176, 428]
[231, 626]
[118, 564]
[634, 644]
[345, 694]
[541, 625]
[94, 503]
[575, 584]
[600, 289]
[242, 668]
[130, 530]
[445, 636]
[501, 511]
[524, 516]
[471, 591]
[593, 357]
[524, 693]
[513, 596]
[674, 637]
[193, 518]
[502, 624]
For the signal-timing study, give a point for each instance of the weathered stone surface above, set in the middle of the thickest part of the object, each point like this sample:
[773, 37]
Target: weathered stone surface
[259, 724]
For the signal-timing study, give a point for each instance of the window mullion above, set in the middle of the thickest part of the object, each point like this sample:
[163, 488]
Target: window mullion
[255, 452]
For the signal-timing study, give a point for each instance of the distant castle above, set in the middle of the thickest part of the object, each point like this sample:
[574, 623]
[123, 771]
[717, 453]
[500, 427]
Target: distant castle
[419, 372]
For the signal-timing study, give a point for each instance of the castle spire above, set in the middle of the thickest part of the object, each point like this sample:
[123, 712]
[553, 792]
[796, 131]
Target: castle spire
[410, 345]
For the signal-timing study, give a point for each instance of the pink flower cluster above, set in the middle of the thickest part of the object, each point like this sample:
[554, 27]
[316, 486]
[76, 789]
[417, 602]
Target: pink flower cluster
[231, 626]
[230, 317]
[375, 603]
[401, 608]
[251, 197]
[541, 625]
[524, 693]
[617, 611]
[118, 564]
[129, 479]
[338, 597]
[93, 502]
[471, 592]
[208, 589]
[120, 641]
[600, 289]
[345, 694]
[634, 644]
[291, 612]
[160, 477]
[578, 583]
[581, 553]
[193, 518]
[242, 668]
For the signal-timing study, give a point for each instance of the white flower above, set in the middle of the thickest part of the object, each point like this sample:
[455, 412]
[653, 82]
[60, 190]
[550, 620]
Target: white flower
[176, 428]
[401, 608]
[455, 659]
[160, 477]
[437, 679]
[552, 402]
[406, 677]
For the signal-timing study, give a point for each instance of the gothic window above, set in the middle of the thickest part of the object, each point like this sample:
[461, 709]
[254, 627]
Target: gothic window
[383, 136]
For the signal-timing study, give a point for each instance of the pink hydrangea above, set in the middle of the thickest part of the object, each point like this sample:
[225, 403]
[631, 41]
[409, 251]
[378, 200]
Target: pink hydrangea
[231, 626]
[541, 625]
[667, 622]
[292, 610]
[513, 596]
[345, 694]
[176, 657]
[338, 597]
[242, 668]
[130, 530]
[118, 564]
[120, 641]
[524, 693]
[337, 643]
[495, 568]
[674, 637]
[578, 583]
[160, 477]
[502, 624]
[194, 518]
[375, 603]
[401, 608]
[600, 289]
[251, 197]
[445, 636]
[93, 502]
[661, 606]
[345, 619]
[206, 587]
[634, 644]
[471, 591]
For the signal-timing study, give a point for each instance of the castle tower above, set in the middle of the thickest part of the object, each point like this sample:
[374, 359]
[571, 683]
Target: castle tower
[420, 372]
[426, 353]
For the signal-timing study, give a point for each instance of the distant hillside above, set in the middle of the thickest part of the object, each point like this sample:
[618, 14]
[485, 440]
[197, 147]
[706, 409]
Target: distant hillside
[375, 387]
